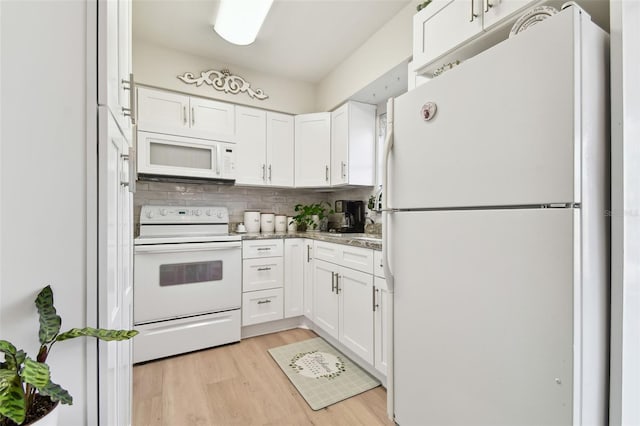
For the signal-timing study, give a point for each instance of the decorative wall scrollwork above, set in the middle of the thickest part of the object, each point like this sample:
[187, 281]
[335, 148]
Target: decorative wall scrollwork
[223, 81]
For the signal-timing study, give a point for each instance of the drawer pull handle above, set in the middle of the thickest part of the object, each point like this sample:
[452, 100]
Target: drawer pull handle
[264, 248]
[262, 302]
[264, 269]
[333, 282]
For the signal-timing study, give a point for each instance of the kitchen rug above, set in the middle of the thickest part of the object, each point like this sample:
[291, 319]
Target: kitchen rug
[322, 375]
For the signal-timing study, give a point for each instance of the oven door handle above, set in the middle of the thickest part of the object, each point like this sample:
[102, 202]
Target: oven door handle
[187, 247]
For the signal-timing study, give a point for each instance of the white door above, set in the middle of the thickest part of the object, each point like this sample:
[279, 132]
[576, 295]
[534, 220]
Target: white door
[356, 312]
[483, 316]
[115, 290]
[339, 145]
[503, 132]
[325, 299]
[114, 59]
[251, 147]
[497, 10]
[294, 277]
[280, 149]
[312, 149]
[162, 112]
[212, 119]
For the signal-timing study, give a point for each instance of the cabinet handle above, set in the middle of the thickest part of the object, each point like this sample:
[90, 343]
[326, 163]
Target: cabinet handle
[131, 111]
[308, 253]
[124, 172]
[264, 172]
[133, 167]
[184, 115]
[326, 173]
[374, 292]
[342, 166]
[337, 283]
[487, 5]
[269, 172]
[263, 248]
[264, 269]
[333, 282]
[473, 12]
[261, 302]
[193, 116]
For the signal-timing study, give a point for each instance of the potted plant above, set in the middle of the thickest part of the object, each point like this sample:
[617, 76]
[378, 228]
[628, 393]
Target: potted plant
[27, 393]
[309, 216]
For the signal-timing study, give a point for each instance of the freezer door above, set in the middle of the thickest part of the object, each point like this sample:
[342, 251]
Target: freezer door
[504, 132]
[483, 317]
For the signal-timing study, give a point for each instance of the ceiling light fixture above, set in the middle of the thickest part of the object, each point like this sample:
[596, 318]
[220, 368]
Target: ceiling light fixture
[238, 21]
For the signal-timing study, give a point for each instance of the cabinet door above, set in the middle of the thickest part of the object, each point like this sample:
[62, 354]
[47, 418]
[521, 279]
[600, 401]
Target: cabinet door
[497, 10]
[114, 59]
[293, 277]
[356, 312]
[280, 149]
[212, 119]
[339, 145]
[325, 299]
[308, 278]
[312, 149]
[443, 25]
[381, 324]
[163, 112]
[251, 146]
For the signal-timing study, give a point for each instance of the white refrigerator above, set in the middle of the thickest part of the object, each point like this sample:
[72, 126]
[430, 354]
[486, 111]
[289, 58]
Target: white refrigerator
[496, 234]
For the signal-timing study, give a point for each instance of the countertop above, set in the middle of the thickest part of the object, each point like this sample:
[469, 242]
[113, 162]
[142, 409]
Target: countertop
[370, 241]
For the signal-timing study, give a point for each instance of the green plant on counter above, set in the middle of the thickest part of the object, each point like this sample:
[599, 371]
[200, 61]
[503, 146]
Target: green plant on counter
[304, 217]
[26, 390]
[423, 5]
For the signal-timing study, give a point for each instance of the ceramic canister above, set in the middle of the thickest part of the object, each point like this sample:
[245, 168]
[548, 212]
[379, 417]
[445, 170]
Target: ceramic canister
[267, 222]
[281, 223]
[252, 220]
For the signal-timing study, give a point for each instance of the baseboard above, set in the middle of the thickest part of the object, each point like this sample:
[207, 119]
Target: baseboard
[271, 327]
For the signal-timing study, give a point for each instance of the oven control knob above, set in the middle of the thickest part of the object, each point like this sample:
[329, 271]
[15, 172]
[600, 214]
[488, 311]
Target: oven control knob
[163, 212]
[209, 212]
[198, 212]
[149, 214]
[219, 214]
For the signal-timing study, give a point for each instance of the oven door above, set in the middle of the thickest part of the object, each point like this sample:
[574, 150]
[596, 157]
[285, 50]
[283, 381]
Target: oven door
[179, 280]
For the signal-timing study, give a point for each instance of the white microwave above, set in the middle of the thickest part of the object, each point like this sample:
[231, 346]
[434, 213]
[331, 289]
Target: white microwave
[178, 156]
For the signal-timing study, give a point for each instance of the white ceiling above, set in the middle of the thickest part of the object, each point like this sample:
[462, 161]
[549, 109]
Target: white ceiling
[300, 39]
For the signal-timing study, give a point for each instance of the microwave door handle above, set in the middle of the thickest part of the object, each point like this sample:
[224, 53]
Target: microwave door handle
[218, 160]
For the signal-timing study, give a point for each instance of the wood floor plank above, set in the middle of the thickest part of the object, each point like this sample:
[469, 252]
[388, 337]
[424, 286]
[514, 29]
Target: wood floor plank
[239, 384]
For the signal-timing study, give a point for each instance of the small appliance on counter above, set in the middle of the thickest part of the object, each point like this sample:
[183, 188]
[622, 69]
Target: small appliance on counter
[352, 216]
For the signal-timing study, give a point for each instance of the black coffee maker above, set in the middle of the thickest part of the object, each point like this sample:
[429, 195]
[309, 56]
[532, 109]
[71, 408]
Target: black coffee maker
[353, 215]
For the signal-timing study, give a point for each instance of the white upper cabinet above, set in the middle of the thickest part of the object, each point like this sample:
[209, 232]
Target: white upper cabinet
[280, 149]
[353, 129]
[182, 115]
[114, 61]
[265, 147]
[312, 149]
[251, 167]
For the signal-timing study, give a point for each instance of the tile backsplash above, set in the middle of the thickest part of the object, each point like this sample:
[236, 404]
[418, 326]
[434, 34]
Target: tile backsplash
[236, 198]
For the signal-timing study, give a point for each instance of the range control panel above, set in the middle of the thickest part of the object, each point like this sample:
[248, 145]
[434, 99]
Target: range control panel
[175, 214]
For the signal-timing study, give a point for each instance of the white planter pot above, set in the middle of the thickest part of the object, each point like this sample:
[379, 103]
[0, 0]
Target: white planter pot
[50, 419]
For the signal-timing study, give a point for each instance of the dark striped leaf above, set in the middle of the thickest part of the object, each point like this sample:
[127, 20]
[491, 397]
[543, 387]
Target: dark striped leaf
[35, 373]
[50, 321]
[10, 353]
[56, 393]
[100, 333]
[12, 403]
[6, 378]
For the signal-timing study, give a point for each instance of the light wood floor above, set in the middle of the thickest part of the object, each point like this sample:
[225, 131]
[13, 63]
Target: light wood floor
[239, 384]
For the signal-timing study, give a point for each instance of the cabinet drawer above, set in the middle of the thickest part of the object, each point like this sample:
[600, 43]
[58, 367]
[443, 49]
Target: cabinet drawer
[378, 268]
[261, 274]
[327, 251]
[262, 306]
[262, 248]
[357, 258]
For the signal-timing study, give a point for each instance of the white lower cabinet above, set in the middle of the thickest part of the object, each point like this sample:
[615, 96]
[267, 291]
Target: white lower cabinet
[262, 281]
[343, 308]
[262, 306]
[382, 321]
[294, 251]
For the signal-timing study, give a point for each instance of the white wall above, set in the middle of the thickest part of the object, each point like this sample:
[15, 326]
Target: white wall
[625, 194]
[390, 45]
[159, 66]
[42, 177]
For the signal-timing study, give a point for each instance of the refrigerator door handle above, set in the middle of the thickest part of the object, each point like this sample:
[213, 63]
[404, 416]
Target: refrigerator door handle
[388, 145]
